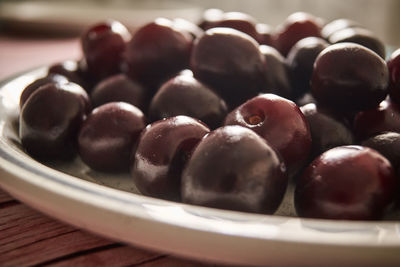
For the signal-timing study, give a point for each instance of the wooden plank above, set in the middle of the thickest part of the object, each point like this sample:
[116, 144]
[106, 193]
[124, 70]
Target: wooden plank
[28, 237]
[47, 249]
[21, 225]
[115, 256]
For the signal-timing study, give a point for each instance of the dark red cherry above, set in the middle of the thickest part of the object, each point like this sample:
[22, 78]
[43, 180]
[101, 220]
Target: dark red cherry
[326, 131]
[234, 168]
[349, 77]
[103, 47]
[280, 122]
[108, 135]
[185, 95]
[187, 27]
[69, 69]
[210, 17]
[347, 183]
[388, 144]
[300, 62]
[157, 52]
[297, 26]
[394, 76]
[384, 118]
[265, 34]
[163, 149]
[50, 119]
[360, 36]
[307, 98]
[276, 73]
[118, 88]
[32, 87]
[337, 25]
[238, 21]
[230, 62]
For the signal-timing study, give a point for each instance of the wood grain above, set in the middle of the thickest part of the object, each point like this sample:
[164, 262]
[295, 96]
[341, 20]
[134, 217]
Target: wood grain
[29, 238]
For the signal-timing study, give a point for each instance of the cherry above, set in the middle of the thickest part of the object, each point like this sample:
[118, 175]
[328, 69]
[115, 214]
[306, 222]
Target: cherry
[230, 62]
[50, 119]
[393, 64]
[163, 149]
[276, 73]
[108, 135]
[307, 98]
[70, 70]
[185, 95]
[347, 183]
[349, 77]
[384, 118]
[156, 52]
[280, 122]
[238, 21]
[32, 87]
[234, 168]
[300, 62]
[388, 144]
[360, 36]
[210, 17]
[337, 25]
[119, 88]
[103, 46]
[265, 34]
[187, 27]
[326, 131]
[297, 26]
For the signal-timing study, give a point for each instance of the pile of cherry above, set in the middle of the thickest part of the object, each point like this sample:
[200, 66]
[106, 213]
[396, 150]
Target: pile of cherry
[223, 114]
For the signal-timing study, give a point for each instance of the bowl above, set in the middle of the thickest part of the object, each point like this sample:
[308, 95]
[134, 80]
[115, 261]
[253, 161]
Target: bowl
[111, 206]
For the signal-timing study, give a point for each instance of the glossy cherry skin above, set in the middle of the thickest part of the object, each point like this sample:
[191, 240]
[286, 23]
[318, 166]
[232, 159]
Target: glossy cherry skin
[337, 25]
[349, 77]
[118, 88]
[108, 135]
[50, 119]
[69, 69]
[265, 34]
[103, 47]
[230, 62]
[188, 27]
[276, 73]
[32, 87]
[393, 64]
[326, 131]
[185, 95]
[280, 122]
[163, 149]
[360, 36]
[238, 21]
[388, 144]
[234, 168]
[347, 183]
[297, 26]
[307, 98]
[384, 118]
[157, 52]
[210, 17]
[300, 62]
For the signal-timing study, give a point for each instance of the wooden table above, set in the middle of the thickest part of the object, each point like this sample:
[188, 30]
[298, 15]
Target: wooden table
[29, 238]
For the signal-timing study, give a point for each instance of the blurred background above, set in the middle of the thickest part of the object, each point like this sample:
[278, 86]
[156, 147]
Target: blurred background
[70, 17]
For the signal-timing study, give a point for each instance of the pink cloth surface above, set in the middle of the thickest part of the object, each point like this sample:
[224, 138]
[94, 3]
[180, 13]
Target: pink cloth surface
[20, 54]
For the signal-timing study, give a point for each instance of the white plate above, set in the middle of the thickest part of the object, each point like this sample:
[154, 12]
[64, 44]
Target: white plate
[108, 205]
